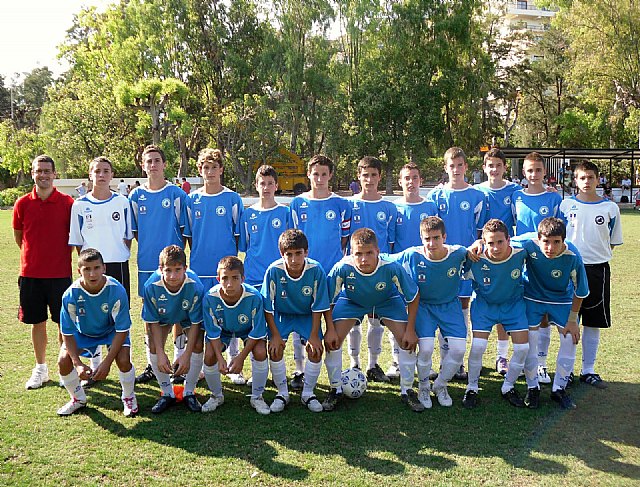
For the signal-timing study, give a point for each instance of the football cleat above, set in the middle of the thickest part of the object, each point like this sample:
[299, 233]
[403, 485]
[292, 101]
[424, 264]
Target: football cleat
[561, 397]
[332, 399]
[38, 378]
[593, 380]
[461, 375]
[147, 375]
[532, 399]
[442, 394]
[71, 407]
[130, 406]
[470, 399]
[543, 376]
[279, 403]
[312, 404]
[192, 403]
[237, 379]
[164, 403]
[410, 398]
[433, 375]
[297, 381]
[259, 405]
[212, 403]
[89, 383]
[393, 372]
[376, 374]
[502, 366]
[424, 396]
[513, 398]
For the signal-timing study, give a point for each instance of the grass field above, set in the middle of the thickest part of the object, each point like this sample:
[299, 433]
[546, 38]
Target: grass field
[374, 440]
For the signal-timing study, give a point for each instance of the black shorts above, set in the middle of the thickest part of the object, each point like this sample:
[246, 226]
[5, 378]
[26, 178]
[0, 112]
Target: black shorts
[596, 310]
[36, 295]
[120, 272]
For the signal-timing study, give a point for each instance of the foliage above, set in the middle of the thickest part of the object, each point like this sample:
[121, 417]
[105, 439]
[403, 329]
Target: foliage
[9, 196]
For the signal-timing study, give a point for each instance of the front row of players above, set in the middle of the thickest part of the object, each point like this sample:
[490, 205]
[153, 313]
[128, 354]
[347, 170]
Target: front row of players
[413, 293]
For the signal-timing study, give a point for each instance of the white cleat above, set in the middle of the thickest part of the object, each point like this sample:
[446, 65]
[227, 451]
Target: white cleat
[442, 394]
[424, 396]
[543, 376]
[312, 403]
[71, 407]
[38, 378]
[393, 372]
[238, 379]
[212, 404]
[130, 406]
[259, 405]
[279, 403]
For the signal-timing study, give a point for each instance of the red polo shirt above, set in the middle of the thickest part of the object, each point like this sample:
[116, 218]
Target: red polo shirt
[45, 249]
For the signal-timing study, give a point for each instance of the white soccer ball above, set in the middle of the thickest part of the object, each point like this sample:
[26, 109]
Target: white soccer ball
[354, 383]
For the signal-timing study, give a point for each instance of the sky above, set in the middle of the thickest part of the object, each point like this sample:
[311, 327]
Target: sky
[31, 30]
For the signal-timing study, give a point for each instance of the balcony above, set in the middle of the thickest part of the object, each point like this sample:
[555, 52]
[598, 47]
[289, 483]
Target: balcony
[523, 8]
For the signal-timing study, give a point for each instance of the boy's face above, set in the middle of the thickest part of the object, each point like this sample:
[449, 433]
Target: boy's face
[365, 257]
[586, 181]
[230, 282]
[211, 171]
[92, 274]
[433, 241]
[494, 168]
[173, 275]
[410, 181]
[152, 163]
[43, 174]
[551, 246]
[319, 176]
[266, 186]
[496, 245]
[534, 172]
[456, 169]
[369, 179]
[294, 260]
[101, 174]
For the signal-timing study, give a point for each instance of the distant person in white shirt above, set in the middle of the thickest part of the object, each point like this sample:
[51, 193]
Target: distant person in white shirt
[123, 188]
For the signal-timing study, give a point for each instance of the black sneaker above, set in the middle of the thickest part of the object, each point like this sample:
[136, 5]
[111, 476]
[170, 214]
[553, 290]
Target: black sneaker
[532, 399]
[192, 403]
[561, 397]
[433, 375]
[470, 399]
[178, 379]
[332, 399]
[513, 397]
[89, 383]
[297, 381]
[461, 375]
[147, 375]
[593, 380]
[164, 403]
[376, 374]
[410, 398]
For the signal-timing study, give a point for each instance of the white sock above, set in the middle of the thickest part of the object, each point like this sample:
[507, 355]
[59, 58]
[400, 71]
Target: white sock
[395, 348]
[146, 349]
[233, 349]
[96, 359]
[212, 376]
[375, 331]
[259, 374]
[72, 385]
[444, 347]
[424, 361]
[478, 347]
[520, 351]
[502, 348]
[333, 363]
[544, 339]
[195, 366]
[42, 368]
[531, 362]
[407, 366]
[164, 381]
[311, 374]
[355, 342]
[565, 362]
[590, 342]
[179, 344]
[298, 352]
[279, 376]
[455, 357]
[127, 381]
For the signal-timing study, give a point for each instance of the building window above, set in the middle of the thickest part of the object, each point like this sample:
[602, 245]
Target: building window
[521, 4]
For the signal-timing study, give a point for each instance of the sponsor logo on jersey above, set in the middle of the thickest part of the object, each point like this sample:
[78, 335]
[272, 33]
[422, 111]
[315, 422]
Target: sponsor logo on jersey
[254, 228]
[351, 276]
[143, 210]
[80, 299]
[104, 307]
[283, 294]
[219, 307]
[306, 291]
[162, 298]
[356, 218]
[221, 211]
[452, 271]
[544, 210]
[185, 304]
[515, 273]
[442, 207]
[143, 197]
[253, 216]
[243, 319]
[283, 280]
[380, 216]
[162, 311]
[166, 203]
[485, 267]
[356, 206]
[330, 215]
[422, 277]
[422, 264]
[533, 255]
[198, 214]
[556, 273]
[486, 281]
[304, 205]
[465, 205]
[115, 216]
[303, 217]
[599, 220]
[81, 312]
[380, 286]
[399, 219]
[351, 287]
[276, 223]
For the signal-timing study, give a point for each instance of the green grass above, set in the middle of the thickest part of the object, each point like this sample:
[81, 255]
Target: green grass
[374, 440]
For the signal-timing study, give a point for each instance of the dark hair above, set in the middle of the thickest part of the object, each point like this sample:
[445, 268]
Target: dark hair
[231, 263]
[209, 155]
[410, 167]
[432, 223]
[292, 239]
[454, 153]
[89, 255]
[552, 227]
[585, 166]
[154, 148]
[98, 160]
[495, 225]
[266, 170]
[370, 162]
[364, 236]
[172, 255]
[495, 153]
[320, 160]
[44, 158]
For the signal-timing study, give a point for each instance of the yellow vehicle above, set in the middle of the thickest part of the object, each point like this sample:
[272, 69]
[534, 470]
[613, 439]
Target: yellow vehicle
[292, 171]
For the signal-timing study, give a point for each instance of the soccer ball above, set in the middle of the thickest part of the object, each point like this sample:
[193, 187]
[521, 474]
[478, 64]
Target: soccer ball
[354, 383]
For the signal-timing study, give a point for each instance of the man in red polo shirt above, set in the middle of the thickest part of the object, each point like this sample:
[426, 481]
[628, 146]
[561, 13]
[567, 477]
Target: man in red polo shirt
[41, 230]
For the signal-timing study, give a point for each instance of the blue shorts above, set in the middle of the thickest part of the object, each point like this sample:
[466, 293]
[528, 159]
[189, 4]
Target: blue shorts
[226, 337]
[143, 276]
[184, 324]
[208, 282]
[447, 316]
[466, 288]
[393, 309]
[511, 315]
[301, 324]
[88, 346]
[558, 313]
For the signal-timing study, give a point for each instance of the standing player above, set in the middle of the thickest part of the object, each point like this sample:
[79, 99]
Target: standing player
[296, 298]
[158, 218]
[593, 226]
[365, 284]
[95, 312]
[41, 230]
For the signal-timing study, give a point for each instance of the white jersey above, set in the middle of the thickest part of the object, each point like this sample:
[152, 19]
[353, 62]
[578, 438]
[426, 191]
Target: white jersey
[593, 227]
[122, 188]
[102, 225]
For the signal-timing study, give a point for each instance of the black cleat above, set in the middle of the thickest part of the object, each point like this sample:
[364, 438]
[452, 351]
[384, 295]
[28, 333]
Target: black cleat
[376, 374]
[297, 381]
[561, 397]
[532, 399]
[593, 380]
[192, 403]
[470, 399]
[513, 397]
[178, 379]
[164, 403]
[147, 375]
[461, 375]
[410, 398]
[332, 399]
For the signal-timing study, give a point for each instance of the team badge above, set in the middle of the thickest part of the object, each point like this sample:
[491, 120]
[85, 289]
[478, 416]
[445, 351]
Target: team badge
[81, 312]
[162, 311]
[166, 203]
[185, 304]
[422, 277]
[115, 216]
[507, 201]
[254, 228]
[356, 218]
[380, 286]
[443, 206]
[515, 273]
[283, 294]
[381, 216]
[143, 210]
[452, 272]
[423, 216]
[221, 211]
[599, 220]
[306, 291]
[104, 307]
[198, 214]
[465, 205]
[303, 217]
[351, 287]
[556, 273]
[276, 223]
[486, 281]
[330, 215]
[243, 319]
[544, 210]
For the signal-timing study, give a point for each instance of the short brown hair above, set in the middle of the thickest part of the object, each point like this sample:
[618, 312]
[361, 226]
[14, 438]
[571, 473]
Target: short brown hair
[89, 255]
[231, 263]
[432, 223]
[292, 239]
[364, 236]
[266, 170]
[320, 160]
[410, 167]
[585, 166]
[44, 158]
[494, 225]
[453, 153]
[154, 148]
[552, 227]
[495, 153]
[99, 159]
[209, 155]
[172, 255]
[370, 162]
[534, 157]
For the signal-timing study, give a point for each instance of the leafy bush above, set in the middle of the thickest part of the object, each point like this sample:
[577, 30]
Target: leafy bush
[9, 196]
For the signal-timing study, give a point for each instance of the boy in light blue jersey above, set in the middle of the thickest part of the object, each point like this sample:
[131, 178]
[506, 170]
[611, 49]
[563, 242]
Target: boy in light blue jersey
[296, 298]
[366, 284]
[555, 285]
[498, 286]
[233, 309]
[435, 268]
[260, 227]
[173, 294]
[95, 312]
[213, 217]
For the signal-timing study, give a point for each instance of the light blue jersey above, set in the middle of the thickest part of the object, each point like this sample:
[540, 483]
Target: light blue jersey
[463, 212]
[408, 222]
[380, 216]
[498, 282]
[213, 224]
[244, 319]
[259, 233]
[158, 218]
[530, 209]
[165, 307]
[499, 202]
[325, 222]
[95, 315]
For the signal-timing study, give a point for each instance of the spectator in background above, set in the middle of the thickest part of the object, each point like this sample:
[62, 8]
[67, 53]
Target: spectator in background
[123, 188]
[354, 187]
[186, 186]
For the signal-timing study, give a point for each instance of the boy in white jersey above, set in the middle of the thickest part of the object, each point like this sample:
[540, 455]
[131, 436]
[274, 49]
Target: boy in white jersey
[366, 284]
[95, 312]
[325, 218]
[296, 298]
[593, 226]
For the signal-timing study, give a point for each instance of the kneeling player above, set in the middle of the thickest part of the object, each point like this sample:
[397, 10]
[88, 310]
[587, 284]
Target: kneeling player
[366, 284]
[296, 297]
[173, 294]
[233, 309]
[95, 312]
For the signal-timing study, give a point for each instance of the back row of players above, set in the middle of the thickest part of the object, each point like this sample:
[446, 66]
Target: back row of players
[215, 224]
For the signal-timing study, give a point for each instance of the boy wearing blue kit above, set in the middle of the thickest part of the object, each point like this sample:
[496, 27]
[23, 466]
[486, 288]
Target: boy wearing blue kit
[233, 309]
[296, 298]
[366, 284]
[95, 312]
[173, 294]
